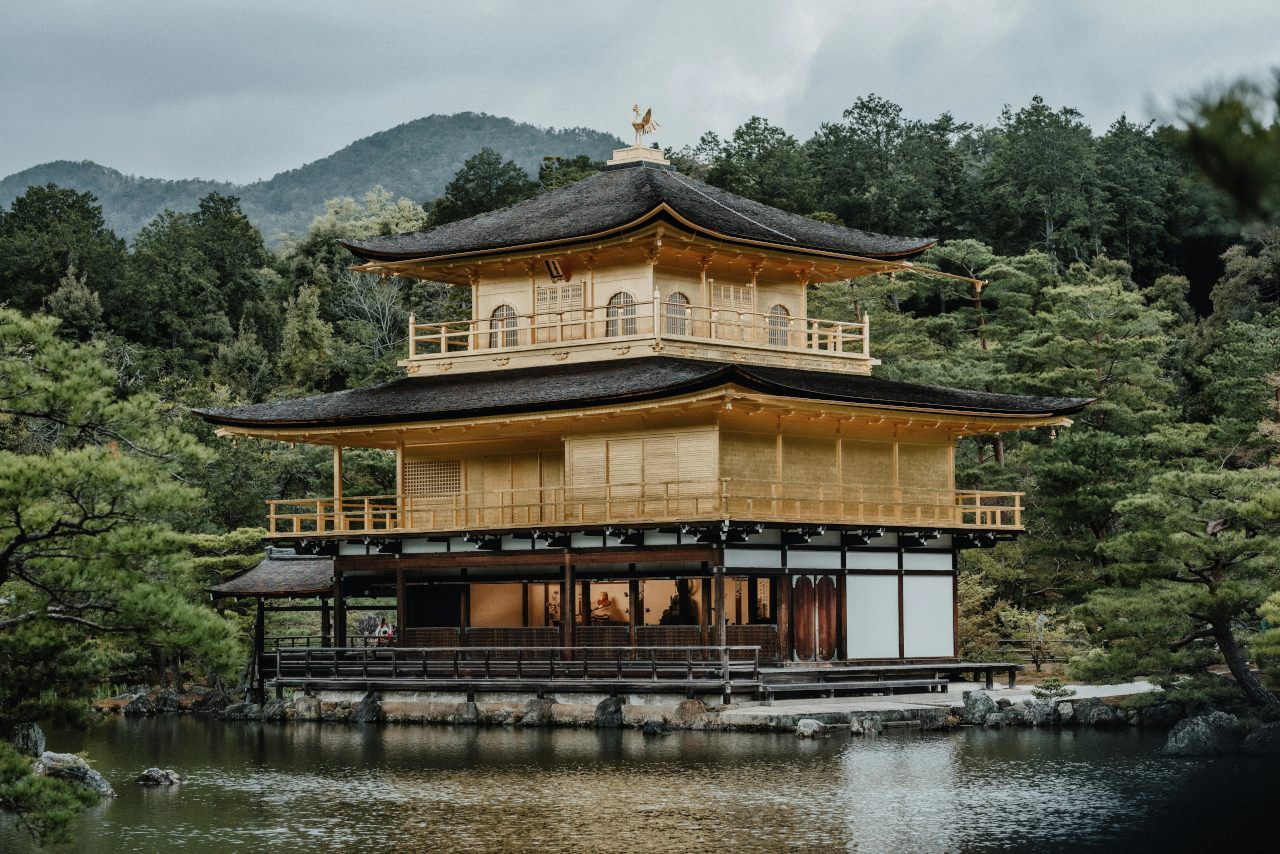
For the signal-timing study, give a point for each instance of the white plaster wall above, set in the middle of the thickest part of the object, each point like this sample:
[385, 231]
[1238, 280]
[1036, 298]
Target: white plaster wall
[871, 560]
[872, 603]
[924, 560]
[927, 616]
[813, 560]
[753, 558]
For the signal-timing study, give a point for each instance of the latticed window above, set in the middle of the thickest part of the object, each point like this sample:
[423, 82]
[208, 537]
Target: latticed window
[620, 315]
[504, 318]
[779, 324]
[677, 315]
[559, 298]
[739, 297]
[432, 477]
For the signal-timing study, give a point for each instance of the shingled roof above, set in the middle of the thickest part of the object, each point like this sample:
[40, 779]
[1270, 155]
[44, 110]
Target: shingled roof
[281, 575]
[549, 388]
[619, 198]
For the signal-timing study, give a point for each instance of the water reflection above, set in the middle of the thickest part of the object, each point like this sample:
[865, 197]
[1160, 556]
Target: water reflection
[268, 787]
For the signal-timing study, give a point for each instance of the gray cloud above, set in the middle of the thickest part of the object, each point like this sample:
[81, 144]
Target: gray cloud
[242, 90]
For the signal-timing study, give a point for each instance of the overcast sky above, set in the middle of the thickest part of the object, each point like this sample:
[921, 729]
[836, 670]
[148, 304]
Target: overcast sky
[237, 91]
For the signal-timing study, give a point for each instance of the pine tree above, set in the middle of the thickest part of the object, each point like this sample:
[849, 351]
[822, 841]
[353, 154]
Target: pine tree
[307, 344]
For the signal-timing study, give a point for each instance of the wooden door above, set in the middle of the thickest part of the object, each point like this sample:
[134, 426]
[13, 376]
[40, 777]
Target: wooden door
[804, 617]
[813, 609]
[825, 614]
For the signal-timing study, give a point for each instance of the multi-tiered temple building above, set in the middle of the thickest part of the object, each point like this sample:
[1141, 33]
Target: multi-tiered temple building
[639, 450]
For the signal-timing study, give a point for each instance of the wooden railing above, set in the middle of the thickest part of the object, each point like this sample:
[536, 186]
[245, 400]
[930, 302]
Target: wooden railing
[720, 664]
[675, 321]
[682, 501]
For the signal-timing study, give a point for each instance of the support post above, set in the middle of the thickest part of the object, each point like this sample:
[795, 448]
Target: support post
[337, 487]
[567, 601]
[753, 600]
[524, 604]
[326, 623]
[586, 602]
[721, 618]
[783, 608]
[399, 602]
[635, 610]
[339, 612]
[707, 636]
[259, 650]
[464, 615]
[842, 619]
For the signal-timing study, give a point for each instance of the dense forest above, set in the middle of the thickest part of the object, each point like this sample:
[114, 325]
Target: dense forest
[415, 159]
[1153, 534]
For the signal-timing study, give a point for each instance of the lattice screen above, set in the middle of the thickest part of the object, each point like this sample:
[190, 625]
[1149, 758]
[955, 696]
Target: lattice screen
[733, 296]
[432, 477]
[560, 298]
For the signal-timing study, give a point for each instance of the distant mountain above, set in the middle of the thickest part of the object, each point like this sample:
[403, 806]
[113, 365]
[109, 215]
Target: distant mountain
[416, 159]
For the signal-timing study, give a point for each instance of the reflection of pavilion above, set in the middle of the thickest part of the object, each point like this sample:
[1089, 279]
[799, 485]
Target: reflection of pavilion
[640, 406]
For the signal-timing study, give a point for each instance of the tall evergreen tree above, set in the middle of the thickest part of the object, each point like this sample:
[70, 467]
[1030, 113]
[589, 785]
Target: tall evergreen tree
[484, 183]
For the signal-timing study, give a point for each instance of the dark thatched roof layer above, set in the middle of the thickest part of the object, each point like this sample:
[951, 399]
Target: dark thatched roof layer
[281, 576]
[546, 389]
[613, 199]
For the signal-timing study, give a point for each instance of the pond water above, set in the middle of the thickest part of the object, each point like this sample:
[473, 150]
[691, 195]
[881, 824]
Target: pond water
[333, 788]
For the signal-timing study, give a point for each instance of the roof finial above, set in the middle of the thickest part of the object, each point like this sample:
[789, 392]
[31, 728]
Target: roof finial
[644, 125]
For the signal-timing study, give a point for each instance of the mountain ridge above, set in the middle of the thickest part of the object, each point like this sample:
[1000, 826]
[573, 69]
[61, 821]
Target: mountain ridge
[415, 159]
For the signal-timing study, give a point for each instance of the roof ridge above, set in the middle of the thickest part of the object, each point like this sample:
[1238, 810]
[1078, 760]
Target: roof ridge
[680, 178]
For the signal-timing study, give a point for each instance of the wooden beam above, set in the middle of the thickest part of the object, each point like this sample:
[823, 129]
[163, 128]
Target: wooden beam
[543, 557]
[721, 619]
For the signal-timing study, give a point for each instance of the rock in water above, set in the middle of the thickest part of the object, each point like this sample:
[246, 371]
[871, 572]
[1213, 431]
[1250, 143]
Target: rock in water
[652, 727]
[609, 712]
[1093, 712]
[167, 701]
[1164, 714]
[977, 707]
[1039, 714]
[211, 701]
[28, 739]
[537, 713]
[1264, 740]
[688, 713]
[809, 728]
[1066, 712]
[273, 710]
[158, 777]
[368, 711]
[67, 766]
[241, 712]
[996, 719]
[1205, 735]
[308, 708]
[139, 705]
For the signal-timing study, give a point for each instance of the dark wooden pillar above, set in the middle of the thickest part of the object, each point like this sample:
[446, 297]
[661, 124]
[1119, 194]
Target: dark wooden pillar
[737, 601]
[464, 614]
[753, 600]
[721, 618]
[326, 623]
[259, 650]
[782, 608]
[587, 602]
[567, 598]
[524, 604]
[707, 636]
[635, 608]
[399, 603]
[339, 612]
[842, 619]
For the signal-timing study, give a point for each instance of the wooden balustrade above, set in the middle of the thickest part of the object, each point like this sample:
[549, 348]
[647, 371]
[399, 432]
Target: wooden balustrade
[680, 501]
[641, 320]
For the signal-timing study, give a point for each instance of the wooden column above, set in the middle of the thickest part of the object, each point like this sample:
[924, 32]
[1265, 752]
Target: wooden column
[399, 602]
[524, 604]
[339, 612]
[326, 623]
[902, 637]
[842, 619]
[706, 612]
[753, 600]
[737, 601]
[721, 618]
[259, 647]
[337, 486]
[586, 602]
[635, 610]
[783, 610]
[401, 506]
[567, 597]
[464, 614]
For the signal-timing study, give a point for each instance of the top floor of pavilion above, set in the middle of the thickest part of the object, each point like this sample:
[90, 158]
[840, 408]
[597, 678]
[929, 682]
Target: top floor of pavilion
[636, 261]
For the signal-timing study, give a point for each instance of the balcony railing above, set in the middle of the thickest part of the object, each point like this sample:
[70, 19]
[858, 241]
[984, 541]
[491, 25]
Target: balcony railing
[642, 503]
[636, 322]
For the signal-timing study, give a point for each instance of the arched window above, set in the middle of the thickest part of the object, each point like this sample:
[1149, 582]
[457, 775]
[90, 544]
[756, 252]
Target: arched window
[620, 315]
[677, 313]
[504, 318]
[779, 324]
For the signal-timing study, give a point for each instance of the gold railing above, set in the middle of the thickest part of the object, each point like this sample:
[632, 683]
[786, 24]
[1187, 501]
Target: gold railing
[682, 501]
[677, 322]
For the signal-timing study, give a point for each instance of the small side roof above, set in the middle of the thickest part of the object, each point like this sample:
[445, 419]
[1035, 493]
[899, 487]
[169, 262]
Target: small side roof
[281, 575]
[620, 198]
[550, 388]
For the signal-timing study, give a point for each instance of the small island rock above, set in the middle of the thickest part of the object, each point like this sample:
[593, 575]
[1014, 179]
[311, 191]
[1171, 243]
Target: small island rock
[139, 705]
[68, 766]
[809, 728]
[167, 701]
[28, 739]
[1264, 740]
[609, 712]
[977, 707]
[158, 777]
[368, 711]
[1205, 735]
